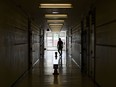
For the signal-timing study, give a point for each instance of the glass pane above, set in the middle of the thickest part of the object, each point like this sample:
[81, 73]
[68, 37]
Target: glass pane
[49, 41]
[49, 34]
[62, 34]
[55, 39]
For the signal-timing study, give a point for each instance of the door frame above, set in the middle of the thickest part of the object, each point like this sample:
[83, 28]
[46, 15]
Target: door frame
[88, 60]
[92, 44]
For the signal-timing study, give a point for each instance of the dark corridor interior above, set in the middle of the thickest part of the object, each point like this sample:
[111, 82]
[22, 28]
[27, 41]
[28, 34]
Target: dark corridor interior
[29, 31]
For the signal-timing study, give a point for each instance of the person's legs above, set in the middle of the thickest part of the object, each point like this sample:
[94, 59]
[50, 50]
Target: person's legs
[60, 51]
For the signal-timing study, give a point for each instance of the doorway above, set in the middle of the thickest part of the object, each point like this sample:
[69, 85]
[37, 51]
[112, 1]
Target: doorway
[51, 39]
[91, 62]
[88, 44]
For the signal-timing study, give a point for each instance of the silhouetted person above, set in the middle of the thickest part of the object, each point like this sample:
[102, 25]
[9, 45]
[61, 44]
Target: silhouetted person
[60, 46]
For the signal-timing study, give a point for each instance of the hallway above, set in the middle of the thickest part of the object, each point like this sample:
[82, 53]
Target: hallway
[30, 28]
[42, 74]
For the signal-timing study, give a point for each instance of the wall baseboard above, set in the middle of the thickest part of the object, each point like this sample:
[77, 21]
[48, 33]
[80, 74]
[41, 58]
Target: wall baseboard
[76, 63]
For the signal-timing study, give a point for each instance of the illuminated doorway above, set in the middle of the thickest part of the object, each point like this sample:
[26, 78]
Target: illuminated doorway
[51, 39]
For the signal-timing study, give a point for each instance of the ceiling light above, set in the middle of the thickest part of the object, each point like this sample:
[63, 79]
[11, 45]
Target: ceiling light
[55, 21]
[55, 6]
[55, 12]
[56, 16]
[55, 29]
[56, 24]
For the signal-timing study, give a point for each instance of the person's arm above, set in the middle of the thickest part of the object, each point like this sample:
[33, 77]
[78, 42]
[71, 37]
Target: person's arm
[62, 44]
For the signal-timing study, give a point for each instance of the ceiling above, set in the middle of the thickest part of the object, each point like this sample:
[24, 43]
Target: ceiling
[38, 14]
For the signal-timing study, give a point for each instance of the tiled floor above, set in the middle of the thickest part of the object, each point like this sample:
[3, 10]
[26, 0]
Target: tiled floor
[42, 74]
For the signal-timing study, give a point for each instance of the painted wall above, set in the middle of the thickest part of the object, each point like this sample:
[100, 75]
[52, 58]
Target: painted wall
[35, 42]
[13, 43]
[106, 43]
[105, 66]
[76, 45]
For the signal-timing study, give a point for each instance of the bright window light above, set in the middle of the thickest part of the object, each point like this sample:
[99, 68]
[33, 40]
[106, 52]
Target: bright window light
[55, 6]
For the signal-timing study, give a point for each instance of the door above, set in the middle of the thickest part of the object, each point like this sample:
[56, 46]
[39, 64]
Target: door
[91, 70]
[84, 43]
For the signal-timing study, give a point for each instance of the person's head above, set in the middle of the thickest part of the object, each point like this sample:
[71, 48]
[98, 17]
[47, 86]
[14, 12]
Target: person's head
[59, 39]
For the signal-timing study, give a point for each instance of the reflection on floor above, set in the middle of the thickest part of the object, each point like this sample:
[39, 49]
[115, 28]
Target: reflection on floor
[42, 74]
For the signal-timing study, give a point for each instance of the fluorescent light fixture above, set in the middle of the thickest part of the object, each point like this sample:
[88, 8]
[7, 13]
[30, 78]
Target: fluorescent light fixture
[55, 29]
[55, 6]
[55, 15]
[55, 12]
[55, 24]
[55, 21]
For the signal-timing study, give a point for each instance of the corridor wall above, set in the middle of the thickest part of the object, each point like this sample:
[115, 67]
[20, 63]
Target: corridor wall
[106, 43]
[81, 14]
[35, 42]
[76, 44]
[14, 43]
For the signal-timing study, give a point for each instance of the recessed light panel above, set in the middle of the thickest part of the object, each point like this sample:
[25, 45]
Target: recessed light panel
[55, 24]
[55, 12]
[55, 6]
[55, 21]
[56, 16]
[55, 29]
